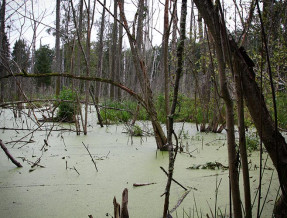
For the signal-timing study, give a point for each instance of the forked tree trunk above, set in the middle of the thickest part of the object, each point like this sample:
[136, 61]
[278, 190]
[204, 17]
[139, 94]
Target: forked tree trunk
[273, 140]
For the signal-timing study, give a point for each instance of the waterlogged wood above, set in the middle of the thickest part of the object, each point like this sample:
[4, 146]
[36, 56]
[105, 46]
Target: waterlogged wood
[97, 108]
[143, 184]
[125, 199]
[9, 155]
[180, 200]
[117, 208]
[91, 156]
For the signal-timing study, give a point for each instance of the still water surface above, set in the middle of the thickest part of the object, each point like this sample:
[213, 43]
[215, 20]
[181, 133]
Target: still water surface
[59, 191]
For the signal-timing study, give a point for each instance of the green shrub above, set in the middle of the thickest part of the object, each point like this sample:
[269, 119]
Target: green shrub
[281, 109]
[127, 108]
[252, 142]
[137, 131]
[66, 109]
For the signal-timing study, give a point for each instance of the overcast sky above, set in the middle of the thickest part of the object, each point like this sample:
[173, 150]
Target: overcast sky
[20, 15]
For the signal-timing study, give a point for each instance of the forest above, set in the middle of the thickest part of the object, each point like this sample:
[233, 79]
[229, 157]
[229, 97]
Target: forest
[143, 108]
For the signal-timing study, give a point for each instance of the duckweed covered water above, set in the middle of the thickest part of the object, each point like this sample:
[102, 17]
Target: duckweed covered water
[57, 190]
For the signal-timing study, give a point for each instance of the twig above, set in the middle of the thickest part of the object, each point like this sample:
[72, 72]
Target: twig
[28, 134]
[31, 162]
[91, 156]
[76, 170]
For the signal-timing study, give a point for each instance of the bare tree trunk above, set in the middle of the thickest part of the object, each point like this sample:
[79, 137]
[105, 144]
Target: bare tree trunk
[242, 141]
[141, 73]
[2, 56]
[170, 131]
[232, 157]
[119, 58]
[57, 47]
[139, 37]
[201, 86]
[114, 49]
[78, 68]
[88, 55]
[100, 54]
[165, 58]
[273, 141]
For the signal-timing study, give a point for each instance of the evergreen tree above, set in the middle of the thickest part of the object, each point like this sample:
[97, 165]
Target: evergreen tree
[21, 54]
[43, 64]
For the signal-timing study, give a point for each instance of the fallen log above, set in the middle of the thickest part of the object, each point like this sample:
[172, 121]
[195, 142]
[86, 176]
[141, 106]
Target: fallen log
[9, 155]
[143, 184]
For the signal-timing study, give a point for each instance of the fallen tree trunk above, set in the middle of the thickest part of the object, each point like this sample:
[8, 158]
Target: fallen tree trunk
[9, 155]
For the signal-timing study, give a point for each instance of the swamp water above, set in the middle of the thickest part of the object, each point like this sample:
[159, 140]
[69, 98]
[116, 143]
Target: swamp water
[70, 186]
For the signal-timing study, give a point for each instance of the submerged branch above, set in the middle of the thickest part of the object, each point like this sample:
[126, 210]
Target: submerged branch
[9, 155]
[91, 156]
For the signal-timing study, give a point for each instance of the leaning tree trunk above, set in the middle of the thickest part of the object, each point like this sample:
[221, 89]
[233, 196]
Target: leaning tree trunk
[273, 140]
[141, 73]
